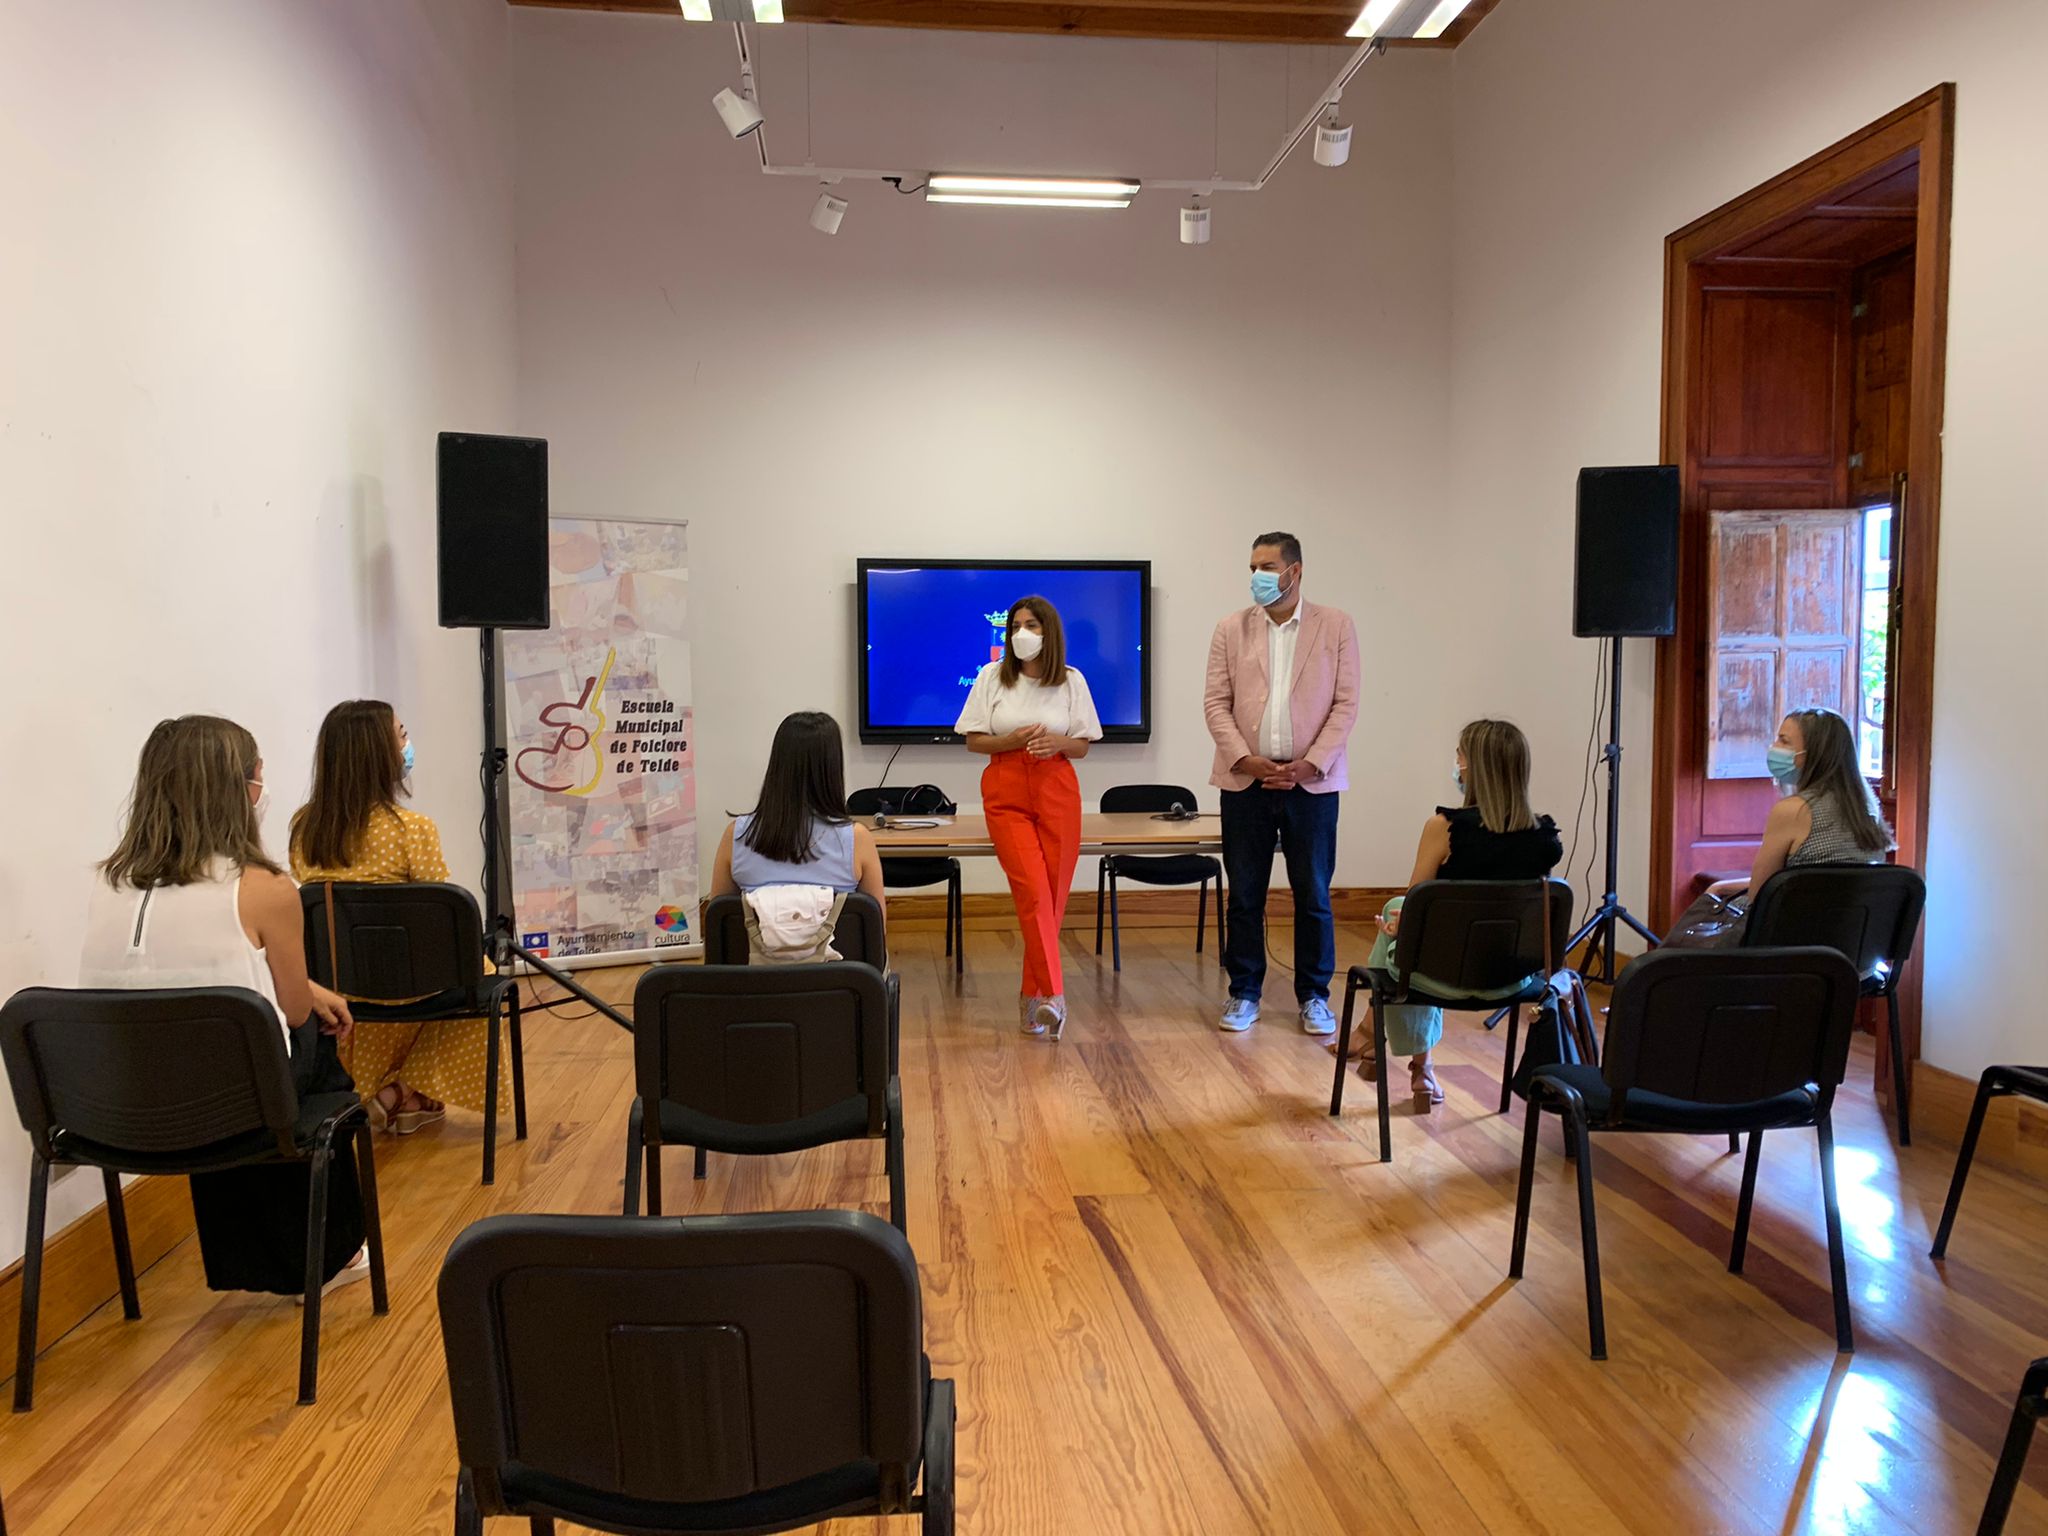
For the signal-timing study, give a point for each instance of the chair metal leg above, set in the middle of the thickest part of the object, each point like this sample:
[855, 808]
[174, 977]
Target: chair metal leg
[1589, 1235]
[491, 1052]
[1532, 1124]
[940, 1414]
[1740, 1246]
[2012, 1461]
[540, 1525]
[1987, 1090]
[959, 924]
[1201, 915]
[894, 1157]
[633, 1158]
[1221, 958]
[1116, 932]
[1902, 1077]
[703, 1163]
[1101, 898]
[468, 1520]
[1343, 1045]
[1379, 1051]
[1507, 1066]
[1838, 1268]
[316, 1254]
[652, 1152]
[31, 1283]
[518, 1066]
[373, 1220]
[124, 1258]
[1734, 1142]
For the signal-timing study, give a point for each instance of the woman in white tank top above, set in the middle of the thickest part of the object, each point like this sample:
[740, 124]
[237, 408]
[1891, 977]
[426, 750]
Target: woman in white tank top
[190, 899]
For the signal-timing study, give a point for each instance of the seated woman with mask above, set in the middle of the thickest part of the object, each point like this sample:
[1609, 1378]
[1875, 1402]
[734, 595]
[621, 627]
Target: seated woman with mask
[1827, 815]
[797, 854]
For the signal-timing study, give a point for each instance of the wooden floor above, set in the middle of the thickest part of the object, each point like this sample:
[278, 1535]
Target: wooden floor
[1176, 1297]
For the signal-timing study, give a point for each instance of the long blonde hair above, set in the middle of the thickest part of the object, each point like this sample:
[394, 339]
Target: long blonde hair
[190, 806]
[1497, 774]
[1830, 768]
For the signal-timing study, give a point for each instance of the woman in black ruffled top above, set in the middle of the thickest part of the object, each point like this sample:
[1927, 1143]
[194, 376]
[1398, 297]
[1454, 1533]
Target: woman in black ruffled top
[1492, 836]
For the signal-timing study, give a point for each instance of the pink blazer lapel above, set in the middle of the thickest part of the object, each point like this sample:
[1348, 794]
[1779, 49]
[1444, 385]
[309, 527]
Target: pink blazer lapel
[1305, 642]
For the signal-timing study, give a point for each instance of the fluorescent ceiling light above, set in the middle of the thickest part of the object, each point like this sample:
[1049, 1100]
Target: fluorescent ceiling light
[1447, 11]
[767, 11]
[1370, 20]
[696, 10]
[1032, 189]
[1000, 200]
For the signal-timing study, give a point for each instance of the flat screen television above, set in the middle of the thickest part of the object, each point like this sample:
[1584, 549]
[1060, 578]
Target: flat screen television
[928, 627]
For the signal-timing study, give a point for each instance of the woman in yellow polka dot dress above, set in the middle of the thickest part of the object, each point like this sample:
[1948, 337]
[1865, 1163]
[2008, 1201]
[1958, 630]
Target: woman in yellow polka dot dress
[354, 829]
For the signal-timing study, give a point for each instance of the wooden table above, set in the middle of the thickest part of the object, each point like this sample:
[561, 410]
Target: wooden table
[959, 837]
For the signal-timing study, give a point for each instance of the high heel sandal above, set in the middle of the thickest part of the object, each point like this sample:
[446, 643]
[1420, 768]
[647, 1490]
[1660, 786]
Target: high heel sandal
[1051, 1016]
[1423, 1084]
[1027, 1015]
[383, 1116]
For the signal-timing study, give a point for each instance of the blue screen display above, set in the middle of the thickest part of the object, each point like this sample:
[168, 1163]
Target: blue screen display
[931, 628]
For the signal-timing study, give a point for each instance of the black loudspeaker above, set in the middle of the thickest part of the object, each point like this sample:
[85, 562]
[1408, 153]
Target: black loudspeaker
[1625, 576]
[493, 526]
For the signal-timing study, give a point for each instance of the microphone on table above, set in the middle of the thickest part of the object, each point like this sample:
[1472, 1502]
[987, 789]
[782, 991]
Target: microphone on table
[1175, 812]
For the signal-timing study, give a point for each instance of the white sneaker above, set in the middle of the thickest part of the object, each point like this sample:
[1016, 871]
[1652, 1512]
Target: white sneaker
[1240, 1016]
[1316, 1018]
[357, 1268]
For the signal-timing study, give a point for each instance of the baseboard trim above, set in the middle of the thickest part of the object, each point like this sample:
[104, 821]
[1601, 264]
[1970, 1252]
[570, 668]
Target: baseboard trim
[1137, 907]
[78, 1262]
[2015, 1134]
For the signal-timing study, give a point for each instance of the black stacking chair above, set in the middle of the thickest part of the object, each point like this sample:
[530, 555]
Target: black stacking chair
[424, 943]
[860, 933]
[1154, 868]
[763, 1058]
[911, 872]
[2012, 1461]
[1996, 1083]
[1477, 935]
[179, 1081]
[1871, 913]
[1705, 1041]
[701, 1374]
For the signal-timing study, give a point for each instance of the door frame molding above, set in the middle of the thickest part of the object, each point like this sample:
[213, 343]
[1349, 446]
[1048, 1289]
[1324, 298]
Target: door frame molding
[1925, 124]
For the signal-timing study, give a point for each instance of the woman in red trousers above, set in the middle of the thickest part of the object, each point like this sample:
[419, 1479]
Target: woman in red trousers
[1031, 714]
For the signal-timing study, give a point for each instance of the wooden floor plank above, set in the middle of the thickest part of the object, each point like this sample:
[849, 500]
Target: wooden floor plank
[1177, 1297]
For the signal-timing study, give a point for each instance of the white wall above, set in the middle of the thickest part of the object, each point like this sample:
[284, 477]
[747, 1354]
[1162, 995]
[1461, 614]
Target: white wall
[1586, 132]
[253, 255]
[996, 382]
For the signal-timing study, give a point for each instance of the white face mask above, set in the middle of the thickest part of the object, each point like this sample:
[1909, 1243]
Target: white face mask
[1027, 643]
[262, 803]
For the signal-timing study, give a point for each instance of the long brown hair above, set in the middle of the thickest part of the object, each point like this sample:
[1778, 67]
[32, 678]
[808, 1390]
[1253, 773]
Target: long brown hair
[358, 769]
[190, 806]
[1497, 774]
[805, 785]
[1830, 768]
[1052, 658]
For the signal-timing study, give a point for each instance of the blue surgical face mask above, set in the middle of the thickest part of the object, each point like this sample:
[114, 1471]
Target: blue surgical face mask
[406, 757]
[1784, 765]
[1458, 778]
[1266, 588]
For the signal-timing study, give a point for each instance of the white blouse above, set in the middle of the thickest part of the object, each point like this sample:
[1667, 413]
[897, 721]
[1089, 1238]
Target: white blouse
[174, 936]
[993, 710]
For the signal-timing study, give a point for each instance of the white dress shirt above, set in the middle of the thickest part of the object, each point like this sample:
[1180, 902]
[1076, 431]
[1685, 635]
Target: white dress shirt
[1276, 728]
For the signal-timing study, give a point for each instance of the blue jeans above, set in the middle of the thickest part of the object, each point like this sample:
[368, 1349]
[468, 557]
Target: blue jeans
[1305, 826]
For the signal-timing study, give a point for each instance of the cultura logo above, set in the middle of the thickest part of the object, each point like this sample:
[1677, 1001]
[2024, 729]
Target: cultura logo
[672, 920]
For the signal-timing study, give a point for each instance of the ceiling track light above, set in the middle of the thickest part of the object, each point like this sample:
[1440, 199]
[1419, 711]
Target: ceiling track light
[1194, 224]
[826, 213]
[1333, 140]
[766, 12]
[739, 114]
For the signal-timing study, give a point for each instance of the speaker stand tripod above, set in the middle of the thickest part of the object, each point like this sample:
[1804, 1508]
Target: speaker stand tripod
[501, 943]
[1597, 932]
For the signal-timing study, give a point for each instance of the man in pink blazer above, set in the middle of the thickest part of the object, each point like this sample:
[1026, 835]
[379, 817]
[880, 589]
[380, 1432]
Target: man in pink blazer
[1281, 699]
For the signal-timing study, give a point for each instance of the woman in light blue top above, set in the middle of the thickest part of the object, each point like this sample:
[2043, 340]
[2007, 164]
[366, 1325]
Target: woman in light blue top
[799, 832]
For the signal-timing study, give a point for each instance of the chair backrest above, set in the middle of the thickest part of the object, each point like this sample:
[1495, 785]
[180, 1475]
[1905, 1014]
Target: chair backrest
[1149, 799]
[1870, 912]
[1730, 1026]
[859, 934]
[763, 1045]
[902, 800]
[155, 1072]
[1480, 935]
[395, 941]
[680, 1361]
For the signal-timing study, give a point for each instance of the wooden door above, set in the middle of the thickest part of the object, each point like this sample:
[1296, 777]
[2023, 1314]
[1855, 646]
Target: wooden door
[1786, 590]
